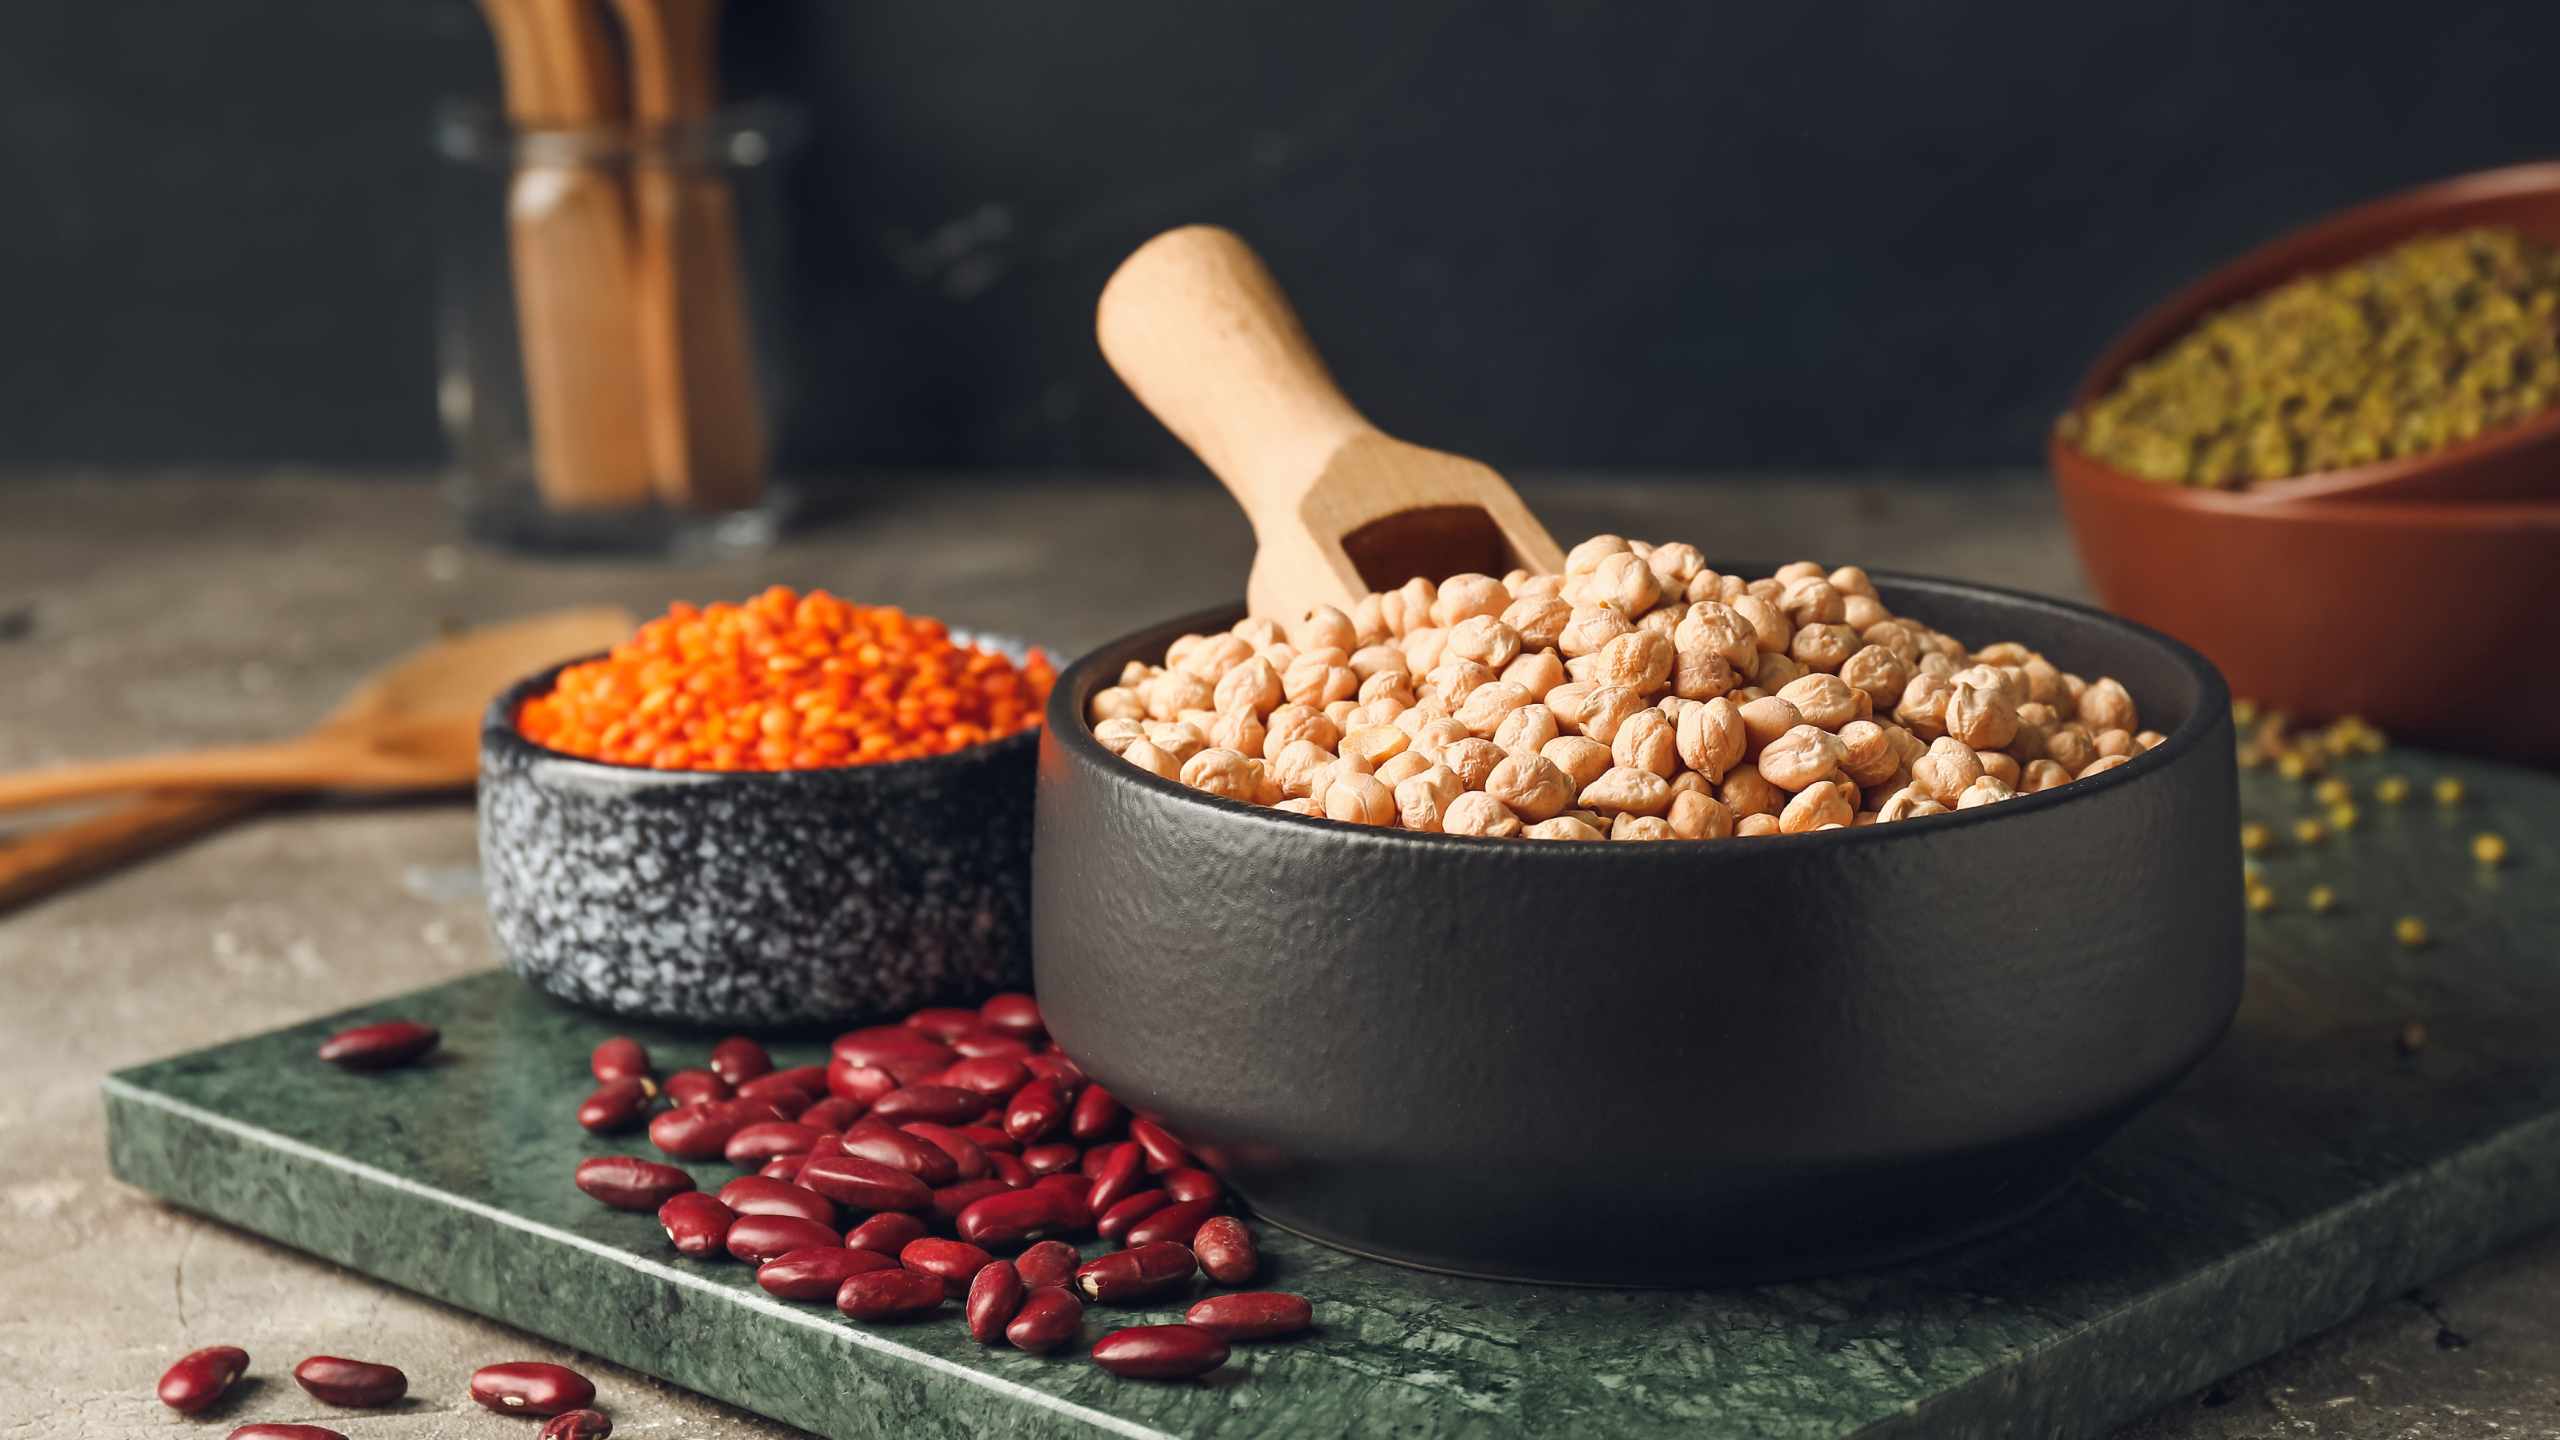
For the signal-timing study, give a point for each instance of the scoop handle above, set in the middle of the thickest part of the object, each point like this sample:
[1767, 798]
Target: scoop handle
[1196, 327]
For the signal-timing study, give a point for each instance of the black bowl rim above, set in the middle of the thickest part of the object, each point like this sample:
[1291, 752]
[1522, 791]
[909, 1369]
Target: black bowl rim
[1064, 720]
[498, 730]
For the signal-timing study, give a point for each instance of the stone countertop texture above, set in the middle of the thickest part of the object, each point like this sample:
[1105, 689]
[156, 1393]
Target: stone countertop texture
[145, 612]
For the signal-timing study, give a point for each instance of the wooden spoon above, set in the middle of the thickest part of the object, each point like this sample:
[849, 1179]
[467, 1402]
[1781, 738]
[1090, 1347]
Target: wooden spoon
[1199, 331]
[428, 703]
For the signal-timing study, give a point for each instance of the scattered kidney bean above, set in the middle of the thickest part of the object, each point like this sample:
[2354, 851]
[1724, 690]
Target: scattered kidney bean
[1014, 1013]
[1051, 1262]
[1037, 1109]
[1049, 1318]
[833, 1113]
[1160, 1352]
[1073, 1189]
[1050, 1159]
[1095, 1116]
[1115, 1222]
[739, 1060]
[785, 1101]
[757, 1143]
[984, 1044]
[944, 1021]
[938, 1104]
[956, 1262]
[284, 1432]
[576, 1425]
[857, 1082]
[968, 1160]
[701, 1132]
[993, 1075]
[1123, 1173]
[1009, 1169]
[1177, 1222]
[696, 1087]
[620, 1058]
[1163, 1151]
[616, 1106]
[898, 1294]
[380, 1046]
[756, 1195]
[697, 1225]
[1252, 1315]
[1054, 1067]
[529, 1387]
[1135, 1275]
[201, 1376]
[809, 1080]
[353, 1383]
[902, 1052]
[1192, 1183]
[886, 1234]
[627, 1182]
[1225, 1250]
[1095, 1157]
[989, 1138]
[864, 1183]
[818, 1272]
[758, 1238]
[1011, 1217]
[872, 1141]
[785, 1168]
[951, 1200]
[995, 1297]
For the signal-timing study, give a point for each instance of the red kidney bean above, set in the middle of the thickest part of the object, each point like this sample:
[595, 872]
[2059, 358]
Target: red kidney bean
[785, 1168]
[1009, 1169]
[1037, 1109]
[756, 1195]
[1163, 1151]
[1049, 1318]
[1095, 1117]
[627, 1182]
[1114, 1223]
[785, 1101]
[1008, 1218]
[616, 1106]
[284, 1432]
[896, 1294]
[1051, 1262]
[620, 1058]
[993, 1075]
[859, 1083]
[757, 1143]
[944, 1021]
[1095, 1157]
[951, 1201]
[529, 1387]
[989, 1138]
[833, 1113]
[352, 1383]
[1226, 1250]
[697, 1225]
[1160, 1352]
[968, 1161]
[758, 1238]
[1252, 1315]
[817, 1272]
[864, 1183]
[576, 1425]
[1014, 1013]
[957, 1262]
[902, 1052]
[934, 1104]
[1135, 1275]
[897, 1148]
[696, 1087]
[1050, 1159]
[380, 1046]
[1123, 1174]
[809, 1080]
[702, 1132]
[1192, 1183]
[1054, 1067]
[995, 1297]
[1067, 1182]
[887, 1234]
[200, 1376]
[739, 1060]
[1177, 1222]
[985, 1044]
[1073, 1189]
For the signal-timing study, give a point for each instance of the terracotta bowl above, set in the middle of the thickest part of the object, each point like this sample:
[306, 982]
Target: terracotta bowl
[2517, 463]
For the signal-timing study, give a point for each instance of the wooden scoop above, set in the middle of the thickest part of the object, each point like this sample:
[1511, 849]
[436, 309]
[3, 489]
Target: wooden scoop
[1199, 331]
[413, 725]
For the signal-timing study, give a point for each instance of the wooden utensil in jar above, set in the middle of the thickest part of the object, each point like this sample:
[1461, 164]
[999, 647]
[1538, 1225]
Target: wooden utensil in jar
[569, 236]
[1200, 332]
[705, 427]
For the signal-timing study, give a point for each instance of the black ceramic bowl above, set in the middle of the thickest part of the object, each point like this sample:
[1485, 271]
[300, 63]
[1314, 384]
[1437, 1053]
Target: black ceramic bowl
[760, 900]
[1677, 1062]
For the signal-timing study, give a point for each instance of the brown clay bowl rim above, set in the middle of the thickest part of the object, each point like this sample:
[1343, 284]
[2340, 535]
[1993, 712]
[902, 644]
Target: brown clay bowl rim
[1064, 721]
[2074, 468]
[2270, 264]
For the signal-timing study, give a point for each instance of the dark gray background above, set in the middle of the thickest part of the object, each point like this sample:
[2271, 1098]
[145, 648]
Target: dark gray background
[1646, 235]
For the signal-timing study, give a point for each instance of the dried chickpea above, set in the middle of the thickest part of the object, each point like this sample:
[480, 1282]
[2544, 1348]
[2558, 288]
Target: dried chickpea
[1374, 745]
[1923, 707]
[1981, 715]
[1767, 718]
[2071, 747]
[1823, 700]
[1581, 558]
[1879, 672]
[1580, 757]
[1252, 684]
[2116, 742]
[1622, 581]
[1539, 620]
[1589, 628]
[1823, 647]
[1368, 660]
[1453, 680]
[1696, 816]
[1641, 827]
[1563, 827]
[1224, 773]
[1178, 738]
[1319, 678]
[1476, 813]
[1530, 786]
[1360, 800]
[1472, 760]
[1745, 791]
[1485, 640]
[1527, 729]
[2147, 739]
[1147, 756]
[1215, 655]
[1675, 565]
[1464, 596]
[1117, 702]
[1422, 799]
[1537, 671]
[1803, 757]
[1324, 628]
[1402, 767]
[1988, 790]
[1238, 730]
[1999, 766]
[1488, 705]
[1408, 607]
[1168, 693]
[1772, 672]
[1645, 741]
[1424, 649]
[1867, 754]
[1298, 805]
[2042, 775]
[1909, 803]
[1290, 723]
[1771, 631]
[1258, 632]
[2105, 705]
[1625, 790]
[1712, 738]
[2103, 764]
[1608, 708]
[1118, 735]
[1947, 770]
[1825, 802]
[1747, 826]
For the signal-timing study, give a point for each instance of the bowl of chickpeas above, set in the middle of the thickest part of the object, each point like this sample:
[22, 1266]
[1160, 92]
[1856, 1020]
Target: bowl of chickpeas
[1761, 918]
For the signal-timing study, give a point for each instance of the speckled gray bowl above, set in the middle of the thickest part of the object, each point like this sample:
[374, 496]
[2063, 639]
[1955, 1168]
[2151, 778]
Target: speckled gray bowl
[772, 900]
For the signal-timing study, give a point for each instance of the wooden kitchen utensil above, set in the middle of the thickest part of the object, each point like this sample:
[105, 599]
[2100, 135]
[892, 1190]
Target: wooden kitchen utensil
[569, 234]
[1198, 329]
[705, 427]
[421, 701]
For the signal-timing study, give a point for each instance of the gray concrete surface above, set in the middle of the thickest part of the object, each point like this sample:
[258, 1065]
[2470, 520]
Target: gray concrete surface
[149, 612]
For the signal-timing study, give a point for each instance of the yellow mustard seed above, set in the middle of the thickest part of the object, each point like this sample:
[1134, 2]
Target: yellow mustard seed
[2293, 765]
[2489, 847]
[2449, 790]
[2261, 898]
[2409, 930]
[2255, 838]
[2333, 791]
[2252, 758]
[2391, 789]
[2343, 817]
[2322, 899]
[2308, 831]
[2244, 712]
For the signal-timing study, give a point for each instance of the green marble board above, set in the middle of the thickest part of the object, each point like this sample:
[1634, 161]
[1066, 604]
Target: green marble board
[2307, 1170]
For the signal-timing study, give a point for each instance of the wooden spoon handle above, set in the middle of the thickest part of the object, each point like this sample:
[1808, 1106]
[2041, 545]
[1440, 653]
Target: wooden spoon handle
[35, 865]
[289, 765]
[1200, 332]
